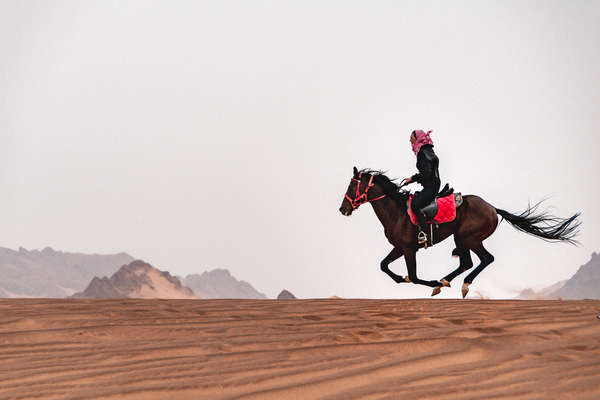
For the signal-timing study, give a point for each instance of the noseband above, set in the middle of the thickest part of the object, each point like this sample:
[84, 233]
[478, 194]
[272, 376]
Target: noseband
[361, 198]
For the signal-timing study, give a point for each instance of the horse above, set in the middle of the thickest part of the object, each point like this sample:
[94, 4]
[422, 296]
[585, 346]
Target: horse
[475, 221]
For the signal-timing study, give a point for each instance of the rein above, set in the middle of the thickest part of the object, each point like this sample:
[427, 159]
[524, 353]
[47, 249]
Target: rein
[361, 198]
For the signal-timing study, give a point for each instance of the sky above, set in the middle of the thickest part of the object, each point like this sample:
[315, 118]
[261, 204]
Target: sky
[222, 134]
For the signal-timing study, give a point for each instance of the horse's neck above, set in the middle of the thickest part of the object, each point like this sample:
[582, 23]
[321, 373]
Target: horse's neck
[388, 212]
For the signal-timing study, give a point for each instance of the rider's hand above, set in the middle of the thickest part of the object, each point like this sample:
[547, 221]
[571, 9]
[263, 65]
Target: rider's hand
[407, 181]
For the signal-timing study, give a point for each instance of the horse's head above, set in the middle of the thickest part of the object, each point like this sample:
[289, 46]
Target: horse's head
[358, 192]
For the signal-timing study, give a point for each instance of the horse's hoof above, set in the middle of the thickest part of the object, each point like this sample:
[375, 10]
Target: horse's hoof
[407, 279]
[445, 283]
[465, 289]
[436, 291]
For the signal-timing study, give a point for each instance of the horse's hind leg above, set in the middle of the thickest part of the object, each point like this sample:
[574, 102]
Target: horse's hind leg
[486, 259]
[465, 263]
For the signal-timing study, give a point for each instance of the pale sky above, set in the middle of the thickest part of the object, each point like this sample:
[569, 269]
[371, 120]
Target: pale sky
[197, 135]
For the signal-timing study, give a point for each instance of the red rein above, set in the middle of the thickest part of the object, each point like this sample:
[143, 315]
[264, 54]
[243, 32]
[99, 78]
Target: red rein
[362, 198]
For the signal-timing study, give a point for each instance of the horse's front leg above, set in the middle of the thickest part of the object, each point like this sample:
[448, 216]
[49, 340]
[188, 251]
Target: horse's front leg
[393, 256]
[410, 256]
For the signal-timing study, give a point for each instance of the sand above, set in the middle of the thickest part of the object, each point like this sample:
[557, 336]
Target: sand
[299, 349]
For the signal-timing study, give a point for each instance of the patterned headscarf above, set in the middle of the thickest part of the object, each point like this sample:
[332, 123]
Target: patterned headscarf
[422, 139]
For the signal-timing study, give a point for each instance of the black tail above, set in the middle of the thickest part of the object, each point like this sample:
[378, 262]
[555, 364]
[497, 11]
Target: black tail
[544, 225]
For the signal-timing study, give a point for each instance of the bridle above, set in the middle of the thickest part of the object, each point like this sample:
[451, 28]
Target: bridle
[361, 198]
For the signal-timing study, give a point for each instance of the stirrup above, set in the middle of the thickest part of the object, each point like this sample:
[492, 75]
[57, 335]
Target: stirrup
[422, 238]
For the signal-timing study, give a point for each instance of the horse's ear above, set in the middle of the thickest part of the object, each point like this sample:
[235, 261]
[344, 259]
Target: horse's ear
[355, 171]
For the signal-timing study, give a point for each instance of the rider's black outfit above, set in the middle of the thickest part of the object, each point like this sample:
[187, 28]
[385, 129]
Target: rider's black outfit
[429, 178]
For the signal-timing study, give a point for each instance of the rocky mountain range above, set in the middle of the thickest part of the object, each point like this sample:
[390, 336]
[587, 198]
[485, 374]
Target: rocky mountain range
[220, 284]
[585, 284]
[51, 273]
[58, 274]
[137, 280]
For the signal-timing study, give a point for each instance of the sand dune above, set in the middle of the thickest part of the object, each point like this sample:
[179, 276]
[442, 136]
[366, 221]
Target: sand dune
[299, 349]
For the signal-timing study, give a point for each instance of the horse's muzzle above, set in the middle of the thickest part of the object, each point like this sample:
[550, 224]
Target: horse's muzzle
[346, 211]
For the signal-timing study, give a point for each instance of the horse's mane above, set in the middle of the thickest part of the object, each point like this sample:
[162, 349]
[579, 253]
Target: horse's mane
[389, 186]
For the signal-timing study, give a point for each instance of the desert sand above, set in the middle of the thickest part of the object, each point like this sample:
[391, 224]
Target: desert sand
[299, 349]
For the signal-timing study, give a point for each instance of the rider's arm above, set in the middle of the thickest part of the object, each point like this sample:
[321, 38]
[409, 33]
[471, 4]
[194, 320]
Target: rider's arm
[421, 161]
[416, 178]
[426, 161]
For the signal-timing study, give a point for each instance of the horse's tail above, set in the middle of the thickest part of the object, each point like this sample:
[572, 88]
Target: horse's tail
[544, 225]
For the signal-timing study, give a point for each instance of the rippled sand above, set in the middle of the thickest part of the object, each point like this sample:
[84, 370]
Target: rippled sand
[299, 349]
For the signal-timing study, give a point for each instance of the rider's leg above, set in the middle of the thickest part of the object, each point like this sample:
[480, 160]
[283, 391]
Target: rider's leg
[420, 200]
[416, 205]
[422, 235]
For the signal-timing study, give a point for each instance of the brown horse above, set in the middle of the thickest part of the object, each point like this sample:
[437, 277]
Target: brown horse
[475, 221]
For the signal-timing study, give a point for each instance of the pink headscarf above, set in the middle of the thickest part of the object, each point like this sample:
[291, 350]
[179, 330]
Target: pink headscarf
[422, 139]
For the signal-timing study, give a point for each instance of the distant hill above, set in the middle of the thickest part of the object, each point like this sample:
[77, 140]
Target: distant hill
[547, 293]
[137, 280]
[585, 284]
[220, 284]
[51, 273]
[285, 295]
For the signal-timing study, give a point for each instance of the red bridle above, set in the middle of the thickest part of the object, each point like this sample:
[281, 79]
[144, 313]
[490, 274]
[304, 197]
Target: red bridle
[362, 198]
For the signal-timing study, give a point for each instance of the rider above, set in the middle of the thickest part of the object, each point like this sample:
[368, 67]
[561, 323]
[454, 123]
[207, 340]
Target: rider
[428, 176]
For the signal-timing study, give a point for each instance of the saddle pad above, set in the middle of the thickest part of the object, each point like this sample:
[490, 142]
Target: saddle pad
[446, 209]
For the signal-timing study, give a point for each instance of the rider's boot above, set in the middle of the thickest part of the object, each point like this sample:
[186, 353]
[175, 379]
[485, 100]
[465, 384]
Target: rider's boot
[422, 236]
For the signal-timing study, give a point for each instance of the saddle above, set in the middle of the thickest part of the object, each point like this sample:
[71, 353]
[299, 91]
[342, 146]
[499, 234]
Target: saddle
[441, 210]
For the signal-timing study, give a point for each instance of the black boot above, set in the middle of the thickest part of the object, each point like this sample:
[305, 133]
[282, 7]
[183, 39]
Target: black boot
[422, 235]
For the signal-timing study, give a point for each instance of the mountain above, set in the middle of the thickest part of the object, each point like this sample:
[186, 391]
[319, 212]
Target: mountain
[585, 284]
[137, 280]
[547, 293]
[285, 295]
[51, 273]
[220, 284]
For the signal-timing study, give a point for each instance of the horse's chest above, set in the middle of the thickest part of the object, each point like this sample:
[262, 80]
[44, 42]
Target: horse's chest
[393, 235]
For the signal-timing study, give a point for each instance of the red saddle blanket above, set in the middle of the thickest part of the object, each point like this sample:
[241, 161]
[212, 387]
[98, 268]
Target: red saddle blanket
[446, 210]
